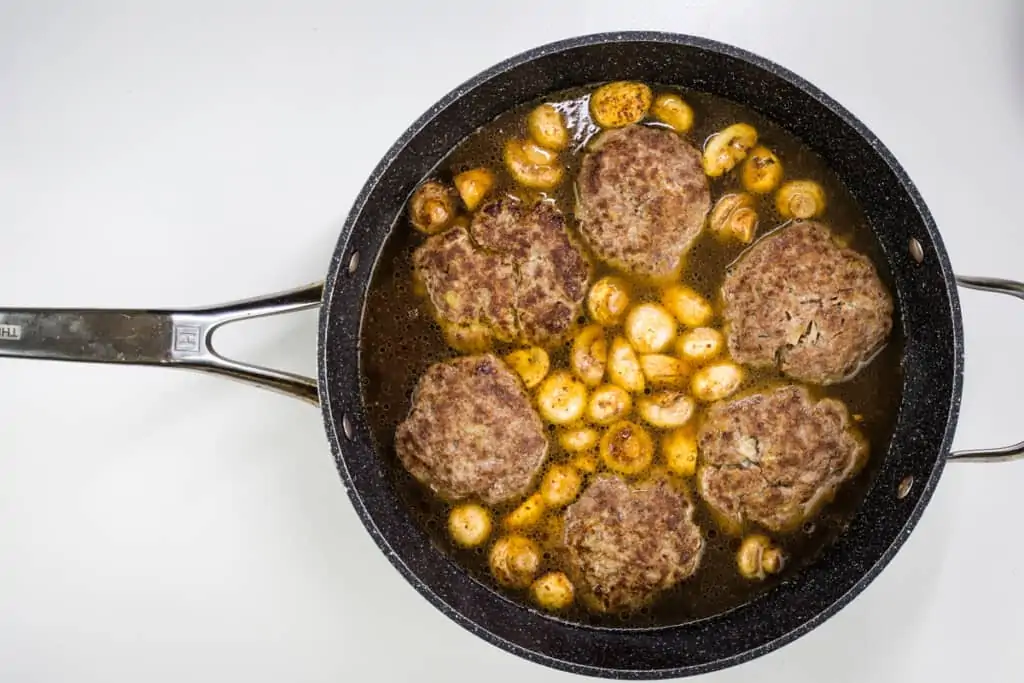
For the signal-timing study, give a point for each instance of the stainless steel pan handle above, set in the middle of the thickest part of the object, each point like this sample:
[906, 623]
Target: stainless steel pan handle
[1016, 451]
[180, 339]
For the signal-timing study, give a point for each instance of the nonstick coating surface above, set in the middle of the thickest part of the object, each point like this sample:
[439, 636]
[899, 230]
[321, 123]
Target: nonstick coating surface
[925, 294]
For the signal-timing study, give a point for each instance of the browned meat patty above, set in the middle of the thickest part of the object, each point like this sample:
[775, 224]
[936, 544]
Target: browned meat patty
[471, 431]
[515, 270]
[468, 285]
[553, 275]
[628, 542]
[774, 458]
[642, 199]
[798, 300]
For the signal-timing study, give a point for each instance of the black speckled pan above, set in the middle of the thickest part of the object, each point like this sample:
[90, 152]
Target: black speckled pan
[925, 291]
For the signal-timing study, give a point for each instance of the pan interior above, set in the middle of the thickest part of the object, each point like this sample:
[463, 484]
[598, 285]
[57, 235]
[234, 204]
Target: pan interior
[399, 340]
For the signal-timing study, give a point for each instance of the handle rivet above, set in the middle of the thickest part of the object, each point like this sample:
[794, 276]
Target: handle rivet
[353, 263]
[904, 488]
[916, 250]
[346, 426]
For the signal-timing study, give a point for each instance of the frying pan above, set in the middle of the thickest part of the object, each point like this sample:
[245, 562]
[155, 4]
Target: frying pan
[929, 321]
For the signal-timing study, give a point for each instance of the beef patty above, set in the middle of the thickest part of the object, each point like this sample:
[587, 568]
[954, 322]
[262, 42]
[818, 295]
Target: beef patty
[775, 457]
[514, 270]
[642, 199]
[471, 431]
[798, 300]
[467, 285]
[626, 543]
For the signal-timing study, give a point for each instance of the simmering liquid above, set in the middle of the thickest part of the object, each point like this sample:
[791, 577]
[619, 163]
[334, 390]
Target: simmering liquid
[400, 340]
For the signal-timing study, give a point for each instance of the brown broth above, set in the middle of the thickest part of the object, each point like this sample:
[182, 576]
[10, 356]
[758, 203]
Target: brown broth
[400, 340]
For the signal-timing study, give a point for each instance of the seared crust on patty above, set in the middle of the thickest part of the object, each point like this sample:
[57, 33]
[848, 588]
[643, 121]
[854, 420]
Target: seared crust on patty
[774, 457]
[798, 300]
[472, 432]
[628, 542]
[553, 275]
[642, 199]
[514, 271]
[468, 285]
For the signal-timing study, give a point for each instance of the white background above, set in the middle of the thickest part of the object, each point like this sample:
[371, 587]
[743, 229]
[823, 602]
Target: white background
[160, 526]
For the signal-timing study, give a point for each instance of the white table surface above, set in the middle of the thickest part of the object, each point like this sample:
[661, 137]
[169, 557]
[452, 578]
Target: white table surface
[164, 526]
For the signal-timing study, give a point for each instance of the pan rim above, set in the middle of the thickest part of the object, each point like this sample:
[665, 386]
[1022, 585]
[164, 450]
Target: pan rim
[925, 488]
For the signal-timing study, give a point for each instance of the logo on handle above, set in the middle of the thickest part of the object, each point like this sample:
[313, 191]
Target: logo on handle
[10, 332]
[186, 339]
